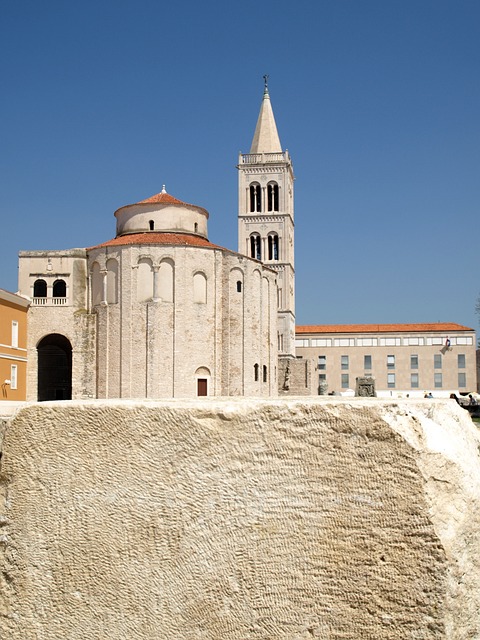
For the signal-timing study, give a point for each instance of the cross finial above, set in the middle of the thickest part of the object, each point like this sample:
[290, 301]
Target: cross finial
[265, 78]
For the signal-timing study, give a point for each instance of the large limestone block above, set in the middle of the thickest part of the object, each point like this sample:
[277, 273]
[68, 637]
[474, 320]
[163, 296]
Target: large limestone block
[237, 519]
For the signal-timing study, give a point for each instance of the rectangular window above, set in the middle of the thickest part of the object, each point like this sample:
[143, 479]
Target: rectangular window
[13, 376]
[462, 380]
[322, 362]
[390, 342]
[344, 380]
[367, 363]
[437, 361]
[302, 342]
[464, 340]
[414, 380]
[344, 360]
[413, 342]
[461, 360]
[390, 362]
[367, 342]
[14, 333]
[438, 381]
[321, 342]
[414, 361]
[391, 380]
[344, 342]
[322, 377]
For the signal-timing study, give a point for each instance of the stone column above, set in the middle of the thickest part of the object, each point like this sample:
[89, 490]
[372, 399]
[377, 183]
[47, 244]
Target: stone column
[104, 273]
[156, 284]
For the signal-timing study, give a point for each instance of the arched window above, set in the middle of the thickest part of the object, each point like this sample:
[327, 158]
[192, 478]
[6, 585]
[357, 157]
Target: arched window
[255, 372]
[39, 289]
[165, 284]
[200, 288]
[255, 246]
[255, 198]
[272, 195]
[151, 225]
[144, 280]
[59, 289]
[273, 246]
[239, 286]
[195, 227]
[112, 281]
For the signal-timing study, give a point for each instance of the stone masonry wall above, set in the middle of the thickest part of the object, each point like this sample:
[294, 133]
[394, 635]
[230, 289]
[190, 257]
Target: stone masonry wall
[240, 519]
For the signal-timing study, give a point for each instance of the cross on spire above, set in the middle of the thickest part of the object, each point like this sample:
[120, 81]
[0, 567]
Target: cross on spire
[265, 78]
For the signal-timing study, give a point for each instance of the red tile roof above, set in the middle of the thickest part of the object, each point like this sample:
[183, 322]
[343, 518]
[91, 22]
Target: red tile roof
[166, 198]
[161, 198]
[152, 237]
[443, 327]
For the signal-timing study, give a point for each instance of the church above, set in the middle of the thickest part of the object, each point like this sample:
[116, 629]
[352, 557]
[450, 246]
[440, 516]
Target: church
[161, 312]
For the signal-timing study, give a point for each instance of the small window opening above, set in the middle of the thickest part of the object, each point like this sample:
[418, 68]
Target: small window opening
[239, 286]
[151, 225]
[256, 371]
[59, 289]
[255, 247]
[255, 198]
[39, 289]
[195, 227]
[272, 194]
[264, 373]
[273, 247]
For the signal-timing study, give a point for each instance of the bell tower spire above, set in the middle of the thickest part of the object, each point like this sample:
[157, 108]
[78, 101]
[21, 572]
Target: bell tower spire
[265, 139]
[266, 214]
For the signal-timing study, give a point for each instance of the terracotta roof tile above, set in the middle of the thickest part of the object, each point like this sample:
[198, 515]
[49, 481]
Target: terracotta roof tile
[165, 198]
[161, 198]
[152, 237]
[382, 328]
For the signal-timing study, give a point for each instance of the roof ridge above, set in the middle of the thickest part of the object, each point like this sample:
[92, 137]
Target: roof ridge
[382, 327]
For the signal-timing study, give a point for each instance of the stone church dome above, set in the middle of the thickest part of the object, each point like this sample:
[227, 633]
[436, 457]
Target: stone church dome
[162, 213]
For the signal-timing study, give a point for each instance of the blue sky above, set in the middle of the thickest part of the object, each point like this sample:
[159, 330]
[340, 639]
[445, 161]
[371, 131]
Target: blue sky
[378, 102]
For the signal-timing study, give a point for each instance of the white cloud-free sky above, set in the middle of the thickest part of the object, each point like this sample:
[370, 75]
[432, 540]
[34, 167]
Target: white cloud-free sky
[377, 101]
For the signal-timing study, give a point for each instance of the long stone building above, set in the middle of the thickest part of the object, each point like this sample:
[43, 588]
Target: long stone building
[413, 359]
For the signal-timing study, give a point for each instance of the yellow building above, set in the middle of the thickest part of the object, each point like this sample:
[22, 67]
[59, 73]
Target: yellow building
[13, 346]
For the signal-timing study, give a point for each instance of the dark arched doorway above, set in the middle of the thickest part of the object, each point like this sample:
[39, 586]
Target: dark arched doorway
[54, 368]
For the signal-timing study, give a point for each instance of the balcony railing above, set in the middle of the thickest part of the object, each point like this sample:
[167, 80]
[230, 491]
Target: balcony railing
[49, 302]
[256, 158]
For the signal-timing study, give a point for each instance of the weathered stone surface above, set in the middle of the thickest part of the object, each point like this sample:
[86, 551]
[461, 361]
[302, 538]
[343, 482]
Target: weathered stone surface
[365, 387]
[236, 519]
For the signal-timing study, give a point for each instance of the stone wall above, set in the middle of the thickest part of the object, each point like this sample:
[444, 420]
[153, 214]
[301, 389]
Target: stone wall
[153, 349]
[297, 377]
[234, 519]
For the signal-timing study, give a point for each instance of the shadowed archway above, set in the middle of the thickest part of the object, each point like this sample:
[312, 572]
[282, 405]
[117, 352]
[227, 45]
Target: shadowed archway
[54, 368]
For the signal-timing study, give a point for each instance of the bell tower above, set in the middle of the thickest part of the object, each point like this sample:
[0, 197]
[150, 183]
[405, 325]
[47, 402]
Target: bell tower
[265, 215]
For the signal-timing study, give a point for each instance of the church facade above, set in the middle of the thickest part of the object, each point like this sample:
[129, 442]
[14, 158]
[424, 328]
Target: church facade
[156, 312]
